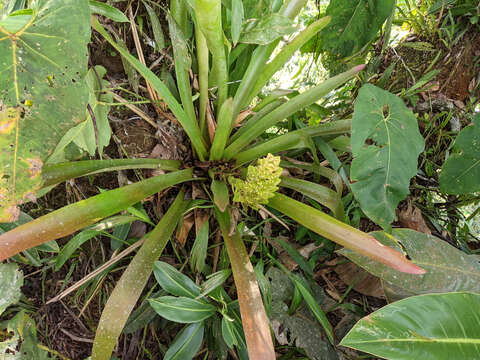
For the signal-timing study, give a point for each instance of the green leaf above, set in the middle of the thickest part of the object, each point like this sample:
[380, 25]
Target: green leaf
[174, 282]
[342, 233]
[85, 235]
[296, 256]
[228, 332]
[96, 134]
[237, 20]
[448, 269]
[429, 327]
[209, 19]
[214, 281]
[182, 309]
[43, 93]
[23, 344]
[221, 197]
[283, 111]
[199, 248]
[222, 131]
[100, 8]
[186, 343]
[67, 220]
[382, 171]
[11, 280]
[354, 23]
[130, 286]
[461, 172]
[314, 307]
[268, 29]
[156, 28]
[56, 173]
[189, 125]
[317, 192]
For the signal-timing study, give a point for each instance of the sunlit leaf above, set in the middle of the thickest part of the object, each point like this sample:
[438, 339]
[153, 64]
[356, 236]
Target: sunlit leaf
[44, 61]
[182, 309]
[430, 327]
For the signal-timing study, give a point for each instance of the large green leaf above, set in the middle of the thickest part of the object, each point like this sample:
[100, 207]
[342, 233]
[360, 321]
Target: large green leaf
[11, 280]
[448, 269]
[354, 23]
[461, 172]
[43, 57]
[428, 327]
[382, 170]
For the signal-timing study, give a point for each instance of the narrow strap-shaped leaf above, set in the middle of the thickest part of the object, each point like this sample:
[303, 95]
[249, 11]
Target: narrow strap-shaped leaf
[317, 192]
[222, 131]
[297, 139]
[191, 127]
[156, 27]
[254, 317]
[130, 286]
[56, 173]
[202, 60]
[244, 94]
[342, 233]
[287, 52]
[97, 7]
[209, 19]
[289, 108]
[182, 62]
[71, 218]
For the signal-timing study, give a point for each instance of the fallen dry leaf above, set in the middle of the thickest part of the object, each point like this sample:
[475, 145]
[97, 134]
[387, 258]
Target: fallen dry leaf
[365, 283]
[412, 218]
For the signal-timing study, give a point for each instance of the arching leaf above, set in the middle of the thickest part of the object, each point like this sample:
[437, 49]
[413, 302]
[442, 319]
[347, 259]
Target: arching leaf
[43, 57]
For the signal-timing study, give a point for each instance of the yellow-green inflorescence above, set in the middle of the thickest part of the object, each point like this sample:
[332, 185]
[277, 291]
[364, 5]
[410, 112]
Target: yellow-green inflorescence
[261, 182]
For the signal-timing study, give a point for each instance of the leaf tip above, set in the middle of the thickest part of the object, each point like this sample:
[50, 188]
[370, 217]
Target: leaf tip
[359, 68]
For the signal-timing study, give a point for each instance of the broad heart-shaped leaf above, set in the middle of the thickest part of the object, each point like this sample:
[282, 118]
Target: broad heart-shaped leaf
[427, 327]
[354, 23]
[461, 172]
[448, 269]
[381, 171]
[43, 60]
[11, 280]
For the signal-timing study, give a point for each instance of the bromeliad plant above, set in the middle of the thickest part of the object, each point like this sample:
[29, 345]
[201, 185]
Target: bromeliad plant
[43, 95]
